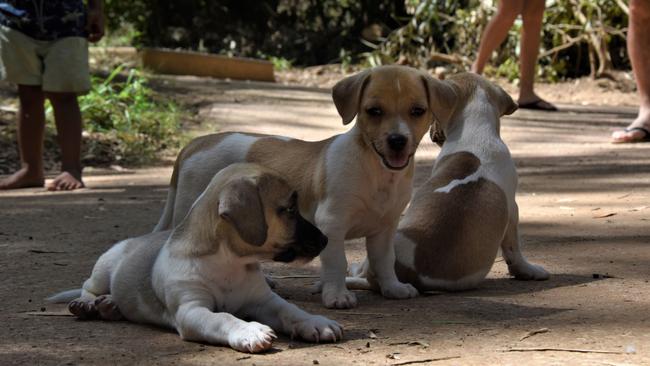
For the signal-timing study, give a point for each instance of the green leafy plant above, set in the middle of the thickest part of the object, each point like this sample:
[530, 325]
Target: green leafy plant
[125, 121]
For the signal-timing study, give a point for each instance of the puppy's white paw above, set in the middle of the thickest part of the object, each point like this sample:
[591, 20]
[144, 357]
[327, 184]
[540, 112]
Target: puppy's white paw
[252, 337]
[528, 272]
[338, 298]
[318, 329]
[398, 290]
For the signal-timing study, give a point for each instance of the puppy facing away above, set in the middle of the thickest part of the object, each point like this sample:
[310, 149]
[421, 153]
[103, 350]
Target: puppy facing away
[351, 185]
[202, 278]
[458, 219]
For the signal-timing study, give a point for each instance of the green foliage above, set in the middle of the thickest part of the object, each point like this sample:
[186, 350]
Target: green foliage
[280, 63]
[125, 121]
[588, 36]
[306, 31]
[579, 37]
[434, 27]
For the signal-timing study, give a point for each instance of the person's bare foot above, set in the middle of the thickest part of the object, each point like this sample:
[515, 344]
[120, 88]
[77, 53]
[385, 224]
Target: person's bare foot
[66, 181]
[23, 178]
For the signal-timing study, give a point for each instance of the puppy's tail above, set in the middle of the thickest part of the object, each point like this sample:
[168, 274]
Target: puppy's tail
[65, 296]
[359, 269]
[357, 283]
[165, 221]
[358, 277]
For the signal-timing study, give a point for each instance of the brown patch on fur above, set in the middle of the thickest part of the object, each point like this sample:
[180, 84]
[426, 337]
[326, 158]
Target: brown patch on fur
[457, 233]
[301, 163]
[453, 166]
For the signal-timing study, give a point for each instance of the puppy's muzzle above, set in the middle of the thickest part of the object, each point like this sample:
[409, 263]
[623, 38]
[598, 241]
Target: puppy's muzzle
[396, 156]
[308, 242]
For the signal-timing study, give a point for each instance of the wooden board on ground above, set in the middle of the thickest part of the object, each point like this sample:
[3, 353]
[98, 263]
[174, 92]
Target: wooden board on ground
[201, 64]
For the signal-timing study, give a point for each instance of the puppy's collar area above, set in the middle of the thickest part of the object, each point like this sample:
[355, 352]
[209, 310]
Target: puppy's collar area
[385, 162]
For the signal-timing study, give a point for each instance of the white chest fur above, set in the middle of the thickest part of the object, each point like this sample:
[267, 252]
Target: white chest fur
[367, 196]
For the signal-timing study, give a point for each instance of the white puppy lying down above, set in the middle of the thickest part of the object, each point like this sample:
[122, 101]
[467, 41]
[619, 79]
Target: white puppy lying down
[460, 217]
[202, 278]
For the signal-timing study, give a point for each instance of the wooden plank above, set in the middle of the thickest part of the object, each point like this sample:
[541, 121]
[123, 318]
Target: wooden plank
[201, 64]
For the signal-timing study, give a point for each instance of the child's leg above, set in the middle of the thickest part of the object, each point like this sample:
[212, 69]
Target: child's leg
[68, 126]
[31, 127]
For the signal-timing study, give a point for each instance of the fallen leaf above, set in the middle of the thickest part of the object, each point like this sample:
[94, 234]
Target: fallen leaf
[393, 356]
[602, 215]
[410, 343]
[638, 208]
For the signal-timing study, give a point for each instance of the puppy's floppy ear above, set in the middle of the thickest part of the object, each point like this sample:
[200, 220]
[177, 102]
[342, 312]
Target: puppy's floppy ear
[347, 95]
[436, 133]
[240, 204]
[506, 104]
[443, 98]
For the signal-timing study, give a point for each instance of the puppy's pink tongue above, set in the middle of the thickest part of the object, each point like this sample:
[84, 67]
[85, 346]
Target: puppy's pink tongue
[398, 161]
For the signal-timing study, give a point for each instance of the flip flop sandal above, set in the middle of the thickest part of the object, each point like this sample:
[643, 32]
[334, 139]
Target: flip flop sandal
[644, 138]
[540, 105]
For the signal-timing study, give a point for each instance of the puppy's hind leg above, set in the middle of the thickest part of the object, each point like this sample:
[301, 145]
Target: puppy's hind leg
[518, 266]
[99, 283]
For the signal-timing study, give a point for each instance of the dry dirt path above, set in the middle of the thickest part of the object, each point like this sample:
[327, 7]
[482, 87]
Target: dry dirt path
[585, 210]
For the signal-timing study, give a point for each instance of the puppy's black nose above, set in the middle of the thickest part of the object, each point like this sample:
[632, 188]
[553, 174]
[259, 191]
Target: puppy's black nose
[396, 141]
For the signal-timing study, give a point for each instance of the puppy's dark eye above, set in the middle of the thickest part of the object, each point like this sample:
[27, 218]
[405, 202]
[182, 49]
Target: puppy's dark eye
[374, 111]
[417, 111]
[291, 210]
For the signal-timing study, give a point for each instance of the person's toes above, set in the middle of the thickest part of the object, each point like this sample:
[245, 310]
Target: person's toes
[631, 134]
[65, 182]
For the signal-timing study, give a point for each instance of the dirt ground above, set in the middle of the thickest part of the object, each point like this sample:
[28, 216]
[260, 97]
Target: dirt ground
[585, 216]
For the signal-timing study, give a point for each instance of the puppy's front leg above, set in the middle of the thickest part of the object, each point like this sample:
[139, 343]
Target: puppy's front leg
[195, 322]
[333, 270]
[285, 317]
[381, 259]
[518, 266]
[331, 221]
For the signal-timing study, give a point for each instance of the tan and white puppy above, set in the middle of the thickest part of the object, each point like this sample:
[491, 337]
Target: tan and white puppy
[351, 185]
[202, 278]
[459, 218]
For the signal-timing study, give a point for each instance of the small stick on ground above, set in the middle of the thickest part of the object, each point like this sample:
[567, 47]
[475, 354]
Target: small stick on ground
[545, 349]
[424, 361]
[534, 332]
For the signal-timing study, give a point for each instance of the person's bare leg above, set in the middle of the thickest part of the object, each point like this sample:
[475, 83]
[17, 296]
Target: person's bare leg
[496, 31]
[68, 126]
[638, 46]
[31, 129]
[532, 14]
